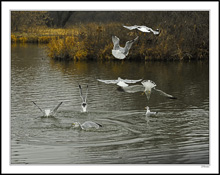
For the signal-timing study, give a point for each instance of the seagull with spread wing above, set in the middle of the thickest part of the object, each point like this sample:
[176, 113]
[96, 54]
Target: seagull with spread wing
[143, 29]
[146, 87]
[121, 52]
[120, 82]
[149, 85]
[84, 103]
[48, 112]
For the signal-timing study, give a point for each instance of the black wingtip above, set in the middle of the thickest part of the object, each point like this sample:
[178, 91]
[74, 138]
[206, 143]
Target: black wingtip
[172, 97]
[99, 124]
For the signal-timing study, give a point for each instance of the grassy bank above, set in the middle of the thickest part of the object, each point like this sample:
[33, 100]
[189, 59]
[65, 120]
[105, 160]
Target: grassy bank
[93, 41]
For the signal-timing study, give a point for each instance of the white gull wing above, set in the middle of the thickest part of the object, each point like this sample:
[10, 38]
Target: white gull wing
[129, 44]
[165, 94]
[131, 27]
[118, 80]
[39, 108]
[131, 81]
[55, 109]
[115, 41]
[87, 89]
[108, 81]
[133, 89]
[80, 92]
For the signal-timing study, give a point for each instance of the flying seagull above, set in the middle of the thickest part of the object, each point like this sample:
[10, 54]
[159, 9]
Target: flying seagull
[143, 29]
[48, 112]
[86, 125]
[146, 87]
[149, 85]
[120, 82]
[148, 113]
[84, 104]
[121, 52]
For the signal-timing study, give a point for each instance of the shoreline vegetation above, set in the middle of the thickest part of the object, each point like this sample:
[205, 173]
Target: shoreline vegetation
[93, 41]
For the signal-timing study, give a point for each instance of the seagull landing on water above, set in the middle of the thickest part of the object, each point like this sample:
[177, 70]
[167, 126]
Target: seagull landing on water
[143, 29]
[120, 82]
[86, 125]
[48, 112]
[149, 85]
[148, 113]
[121, 52]
[84, 104]
[146, 87]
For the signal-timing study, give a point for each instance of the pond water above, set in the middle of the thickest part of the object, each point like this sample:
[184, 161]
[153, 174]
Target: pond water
[177, 134]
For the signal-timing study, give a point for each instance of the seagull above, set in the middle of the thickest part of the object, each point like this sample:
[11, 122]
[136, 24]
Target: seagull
[146, 87]
[120, 82]
[86, 125]
[149, 85]
[48, 112]
[84, 104]
[121, 52]
[143, 29]
[148, 113]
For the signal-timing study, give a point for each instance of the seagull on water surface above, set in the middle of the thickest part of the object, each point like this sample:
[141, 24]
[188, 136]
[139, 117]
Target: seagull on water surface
[120, 82]
[84, 104]
[48, 112]
[121, 52]
[143, 29]
[148, 113]
[86, 125]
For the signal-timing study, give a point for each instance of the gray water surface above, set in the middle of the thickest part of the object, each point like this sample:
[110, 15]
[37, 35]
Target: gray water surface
[178, 134]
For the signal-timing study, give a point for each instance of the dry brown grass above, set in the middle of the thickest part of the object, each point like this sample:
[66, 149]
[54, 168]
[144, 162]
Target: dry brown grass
[93, 41]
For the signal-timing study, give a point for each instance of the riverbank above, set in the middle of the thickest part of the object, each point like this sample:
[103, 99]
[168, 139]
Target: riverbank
[94, 41]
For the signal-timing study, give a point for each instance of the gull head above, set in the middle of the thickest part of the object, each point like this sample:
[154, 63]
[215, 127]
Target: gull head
[120, 79]
[147, 108]
[75, 124]
[84, 106]
[157, 32]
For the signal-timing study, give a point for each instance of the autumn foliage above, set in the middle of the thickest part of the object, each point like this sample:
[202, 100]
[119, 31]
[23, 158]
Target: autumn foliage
[184, 35]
